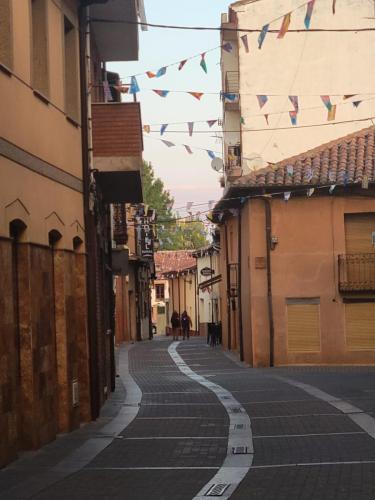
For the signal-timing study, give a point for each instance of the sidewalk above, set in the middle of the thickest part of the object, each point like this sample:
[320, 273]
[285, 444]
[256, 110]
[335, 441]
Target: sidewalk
[190, 419]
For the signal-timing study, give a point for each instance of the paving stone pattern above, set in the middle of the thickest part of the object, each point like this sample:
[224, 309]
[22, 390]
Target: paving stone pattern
[304, 448]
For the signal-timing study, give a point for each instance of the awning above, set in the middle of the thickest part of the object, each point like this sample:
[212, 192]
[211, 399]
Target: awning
[120, 187]
[210, 282]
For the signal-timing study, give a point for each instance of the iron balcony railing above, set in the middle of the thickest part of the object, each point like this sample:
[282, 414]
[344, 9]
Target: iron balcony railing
[357, 272]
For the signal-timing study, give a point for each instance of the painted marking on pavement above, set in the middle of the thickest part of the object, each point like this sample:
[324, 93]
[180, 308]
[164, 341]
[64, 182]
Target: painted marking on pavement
[361, 418]
[235, 466]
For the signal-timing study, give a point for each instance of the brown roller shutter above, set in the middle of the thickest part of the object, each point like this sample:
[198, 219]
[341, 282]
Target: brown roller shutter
[358, 232]
[360, 326]
[303, 327]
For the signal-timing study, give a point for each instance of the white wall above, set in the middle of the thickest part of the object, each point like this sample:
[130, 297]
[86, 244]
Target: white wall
[304, 64]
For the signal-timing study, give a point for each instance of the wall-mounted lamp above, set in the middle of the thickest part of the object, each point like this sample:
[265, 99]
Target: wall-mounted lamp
[274, 242]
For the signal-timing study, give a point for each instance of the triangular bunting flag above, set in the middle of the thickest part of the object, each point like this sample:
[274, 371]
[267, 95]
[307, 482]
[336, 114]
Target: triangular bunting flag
[310, 8]
[107, 92]
[287, 195]
[242, 120]
[203, 62]
[310, 192]
[356, 103]
[348, 96]
[332, 114]
[327, 101]
[161, 93]
[211, 123]
[334, 6]
[163, 128]
[150, 74]
[262, 35]
[190, 127]
[161, 72]
[332, 188]
[211, 154]
[228, 47]
[285, 25]
[182, 64]
[294, 100]
[245, 42]
[146, 128]
[197, 95]
[188, 149]
[231, 97]
[169, 144]
[262, 99]
[266, 117]
[293, 117]
[134, 87]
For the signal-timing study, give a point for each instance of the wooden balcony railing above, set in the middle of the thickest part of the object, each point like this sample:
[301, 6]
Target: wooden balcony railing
[357, 272]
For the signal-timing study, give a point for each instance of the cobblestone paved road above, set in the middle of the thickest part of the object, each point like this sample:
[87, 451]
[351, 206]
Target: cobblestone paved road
[312, 433]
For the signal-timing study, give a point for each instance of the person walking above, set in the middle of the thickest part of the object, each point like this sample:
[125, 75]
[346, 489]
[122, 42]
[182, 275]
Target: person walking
[186, 324]
[175, 322]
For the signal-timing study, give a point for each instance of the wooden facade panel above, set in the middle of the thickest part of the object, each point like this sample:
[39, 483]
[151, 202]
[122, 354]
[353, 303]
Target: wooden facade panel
[303, 327]
[358, 232]
[360, 326]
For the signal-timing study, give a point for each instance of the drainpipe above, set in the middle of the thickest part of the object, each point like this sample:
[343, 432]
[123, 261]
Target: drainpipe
[240, 325]
[228, 288]
[90, 231]
[268, 228]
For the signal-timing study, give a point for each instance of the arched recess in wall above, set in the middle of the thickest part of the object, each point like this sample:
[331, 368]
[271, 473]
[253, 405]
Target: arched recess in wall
[55, 229]
[17, 233]
[17, 215]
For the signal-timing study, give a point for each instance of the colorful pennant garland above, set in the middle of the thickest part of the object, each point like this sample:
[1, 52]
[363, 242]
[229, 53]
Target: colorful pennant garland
[161, 72]
[293, 117]
[294, 100]
[188, 149]
[134, 87]
[229, 96]
[161, 93]
[169, 144]
[285, 25]
[190, 128]
[263, 35]
[310, 8]
[211, 154]
[327, 101]
[262, 100]
[203, 64]
[356, 103]
[182, 64]
[245, 42]
[266, 118]
[197, 95]
[163, 128]
[228, 47]
[151, 74]
[332, 113]
[211, 123]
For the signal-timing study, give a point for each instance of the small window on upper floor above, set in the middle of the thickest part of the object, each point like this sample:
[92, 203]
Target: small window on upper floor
[5, 34]
[160, 293]
[71, 70]
[39, 47]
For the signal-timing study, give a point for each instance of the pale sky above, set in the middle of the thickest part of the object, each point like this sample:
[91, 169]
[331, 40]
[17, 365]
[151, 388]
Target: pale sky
[188, 177]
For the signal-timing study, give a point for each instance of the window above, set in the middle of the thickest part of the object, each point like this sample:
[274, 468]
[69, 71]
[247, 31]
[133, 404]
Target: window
[71, 70]
[303, 317]
[39, 47]
[5, 34]
[159, 290]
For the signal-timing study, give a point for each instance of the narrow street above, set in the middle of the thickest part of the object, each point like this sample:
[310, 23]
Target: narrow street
[187, 417]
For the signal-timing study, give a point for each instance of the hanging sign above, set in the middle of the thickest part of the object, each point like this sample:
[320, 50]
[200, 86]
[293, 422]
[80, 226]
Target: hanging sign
[206, 271]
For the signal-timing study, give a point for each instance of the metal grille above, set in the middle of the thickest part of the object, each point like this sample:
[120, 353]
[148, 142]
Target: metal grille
[357, 272]
[217, 490]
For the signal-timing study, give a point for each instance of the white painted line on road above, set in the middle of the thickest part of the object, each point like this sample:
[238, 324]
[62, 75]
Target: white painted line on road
[309, 435]
[361, 418]
[150, 468]
[235, 466]
[313, 464]
[166, 438]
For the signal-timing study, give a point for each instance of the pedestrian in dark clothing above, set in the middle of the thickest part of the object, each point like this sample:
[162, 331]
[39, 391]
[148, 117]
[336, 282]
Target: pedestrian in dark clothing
[175, 322]
[186, 324]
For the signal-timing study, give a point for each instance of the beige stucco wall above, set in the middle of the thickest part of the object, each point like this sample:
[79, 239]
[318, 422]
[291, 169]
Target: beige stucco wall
[206, 297]
[304, 265]
[303, 64]
[42, 130]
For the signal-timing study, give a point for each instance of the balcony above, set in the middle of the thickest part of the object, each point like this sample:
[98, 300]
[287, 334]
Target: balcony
[232, 86]
[117, 150]
[357, 273]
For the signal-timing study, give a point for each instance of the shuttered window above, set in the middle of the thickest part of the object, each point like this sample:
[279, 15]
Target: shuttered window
[303, 327]
[360, 326]
[358, 232]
